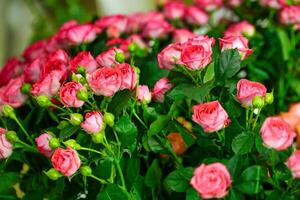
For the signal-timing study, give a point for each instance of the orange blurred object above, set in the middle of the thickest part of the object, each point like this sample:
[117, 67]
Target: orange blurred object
[177, 142]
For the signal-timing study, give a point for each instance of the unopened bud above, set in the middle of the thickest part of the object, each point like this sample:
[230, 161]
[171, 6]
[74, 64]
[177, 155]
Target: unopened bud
[11, 136]
[109, 119]
[258, 102]
[43, 101]
[86, 171]
[54, 143]
[53, 174]
[76, 119]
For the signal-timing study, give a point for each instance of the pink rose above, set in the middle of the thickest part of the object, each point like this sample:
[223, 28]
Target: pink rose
[290, 15]
[105, 81]
[11, 69]
[235, 3]
[66, 161]
[93, 122]
[82, 34]
[273, 3]
[169, 56]
[276, 133]
[107, 58]
[128, 76]
[137, 39]
[11, 93]
[55, 65]
[6, 148]
[42, 143]
[68, 94]
[115, 25]
[35, 50]
[58, 55]
[209, 4]
[156, 29]
[236, 42]
[33, 70]
[211, 181]
[240, 29]
[144, 94]
[247, 90]
[160, 88]
[196, 16]
[182, 35]
[174, 10]
[293, 163]
[211, 116]
[84, 59]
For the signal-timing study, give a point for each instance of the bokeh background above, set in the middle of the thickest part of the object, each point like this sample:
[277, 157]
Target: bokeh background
[24, 21]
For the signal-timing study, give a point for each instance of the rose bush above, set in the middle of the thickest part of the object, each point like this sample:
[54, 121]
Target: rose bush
[192, 101]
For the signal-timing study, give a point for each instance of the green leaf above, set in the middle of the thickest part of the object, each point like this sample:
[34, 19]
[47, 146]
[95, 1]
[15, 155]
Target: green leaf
[112, 192]
[155, 145]
[234, 165]
[127, 131]
[285, 43]
[179, 180]
[228, 64]
[8, 179]
[68, 131]
[119, 102]
[187, 137]
[153, 175]
[243, 143]
[235, 195]
[249, 181]
[158, 125]
[210, 73]
[192, 194]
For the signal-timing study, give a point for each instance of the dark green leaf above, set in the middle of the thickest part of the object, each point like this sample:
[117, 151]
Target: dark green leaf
[235, 195]
[192, 194]
[228, 64]
[158, 125]
[127, 131]
[249, 181]
[243, 143]
[153, 175]
[112, 192]
[179, 180]
[119, 102]
[8, 179]
[68, 131]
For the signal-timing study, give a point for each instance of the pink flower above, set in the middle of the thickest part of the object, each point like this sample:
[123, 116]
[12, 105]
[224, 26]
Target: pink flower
[211, 116]
[107, 58]
[156, 29]
[290, 15]
[247, 90]
[11, 69]
[240, 29]
[196, 16]
[82, 34]
[169, 56]
[211, 181]
[6, 148]
[293, 163]
[137, 39]
[236, 42]
[128, 76]
[55, 65]
[144, 94]
[42, 143]
[182, 35]
[35, 50]
[162, 86]
[276, 133]
[66, 161]
[273, 3]
[209, 4]
[68, 94]
[58, 55]
[84, 59]
[115, 25]
[93, 122]
[11, 93]
[105, 81]
[235, 3]
[174, 10]
[33, 70]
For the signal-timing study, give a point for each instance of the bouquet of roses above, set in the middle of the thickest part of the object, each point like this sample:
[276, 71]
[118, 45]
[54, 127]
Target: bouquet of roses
[156, 105]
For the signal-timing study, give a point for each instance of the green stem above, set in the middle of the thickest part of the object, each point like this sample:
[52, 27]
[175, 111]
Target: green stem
[139, 119]
[91, 150]
[247, 118]
[121, 175]
[27, 145]
[23, 129]
[59, 108]
[256, 118]
[187, 72]
[98, 179]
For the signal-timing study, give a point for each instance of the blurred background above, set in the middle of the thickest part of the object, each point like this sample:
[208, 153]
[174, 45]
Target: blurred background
[24, 21]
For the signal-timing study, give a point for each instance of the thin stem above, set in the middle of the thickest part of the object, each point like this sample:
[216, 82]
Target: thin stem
[247, 117]
[190, 75]
[98, 179]
[91, 150]
[59, 108]
[139, 119]
[23, 129]
[121, 175]
[256, 118]
[153, 193]
[27, 145]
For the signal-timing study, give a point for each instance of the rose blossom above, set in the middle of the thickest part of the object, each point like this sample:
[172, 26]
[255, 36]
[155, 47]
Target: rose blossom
[240, 29]
[107, 58]
[290, 15]
[169, 56]
[182, 35]
[177, 142]
[235, 3]
[143, 94]
[115, 25]
[211, 116]
[42, 143]
[247, 90]
[35, 50]
[160, 88]
[33, 70]
[66, 161]
[58, 55]
[293, 163]
[105, 81]
[236, 42]
[273, 3]
[209, 4]
[55, 65]
[137, 39]
[68, 94]
[128, 76]
[11, 69]
[84, 59]
[156, 29]
[196, 16]
[212, 180]
[93, 122]
[82, 33]
[6, 148]
[174, 10]
[277, 134]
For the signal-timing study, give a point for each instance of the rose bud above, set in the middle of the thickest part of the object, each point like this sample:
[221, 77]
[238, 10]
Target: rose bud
[211, 181]
[93, 123]
[73, 144]
[240, 29]
[196, 16]
[12, 137]
[68, 94]
[143, 94]
[53, 174]
[128, 76]
[54, 143]
[174, 10]
[105, 81]
[211, 116]
[9, 111]
[83, 95]
[169, 56]
[86, 171]
[66, 161]
[155, 29]
[108, 58]
[109, 119]
[11, 93]
[120, 57]
[42, 143]
[177, 142]
[293, 163]
[258, 102]
[247, 90]
[277, 134]
[269, 98]
[236, 42]
[182, 35]
[6, 148]
[84, 59]
[76, 119]
[162, 86]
